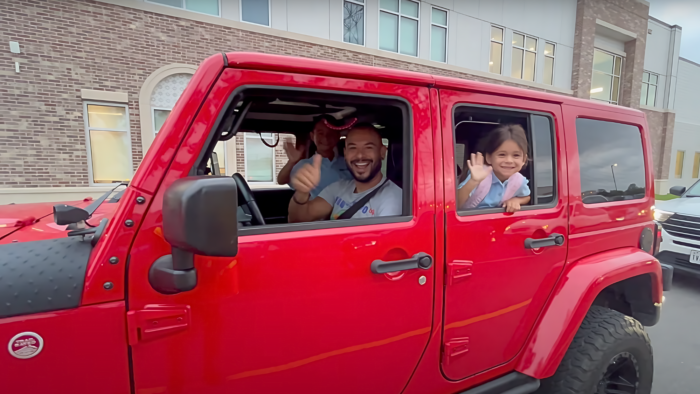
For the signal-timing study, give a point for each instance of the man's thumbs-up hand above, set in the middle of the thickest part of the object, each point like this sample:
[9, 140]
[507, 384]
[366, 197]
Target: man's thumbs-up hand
[308, 176]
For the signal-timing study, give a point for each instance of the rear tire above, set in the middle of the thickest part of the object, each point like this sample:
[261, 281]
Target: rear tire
[610, 353]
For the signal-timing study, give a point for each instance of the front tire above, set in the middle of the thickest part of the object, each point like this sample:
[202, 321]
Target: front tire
[610, 354]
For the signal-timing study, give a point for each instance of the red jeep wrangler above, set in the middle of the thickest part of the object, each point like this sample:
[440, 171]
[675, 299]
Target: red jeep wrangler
[191, 282]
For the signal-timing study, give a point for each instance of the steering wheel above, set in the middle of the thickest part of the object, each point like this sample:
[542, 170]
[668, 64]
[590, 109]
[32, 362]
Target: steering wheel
[247, 200]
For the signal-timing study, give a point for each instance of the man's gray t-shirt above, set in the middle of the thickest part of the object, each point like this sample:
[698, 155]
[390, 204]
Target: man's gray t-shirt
[341, 195]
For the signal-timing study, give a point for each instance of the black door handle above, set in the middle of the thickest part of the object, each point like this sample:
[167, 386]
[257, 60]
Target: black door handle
[419, 260]
[552, 240]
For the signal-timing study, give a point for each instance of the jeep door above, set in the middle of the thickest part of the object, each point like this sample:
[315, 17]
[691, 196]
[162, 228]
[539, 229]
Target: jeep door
[496, 283]
[298, 309]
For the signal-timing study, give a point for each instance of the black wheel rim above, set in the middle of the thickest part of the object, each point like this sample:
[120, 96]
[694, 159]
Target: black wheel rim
[621, 376]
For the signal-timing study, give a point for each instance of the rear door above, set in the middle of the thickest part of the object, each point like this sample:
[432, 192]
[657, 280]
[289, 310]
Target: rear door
[298, 309]
[495, 287]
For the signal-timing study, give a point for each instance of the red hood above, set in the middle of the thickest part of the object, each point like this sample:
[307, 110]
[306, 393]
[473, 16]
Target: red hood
[34, 222]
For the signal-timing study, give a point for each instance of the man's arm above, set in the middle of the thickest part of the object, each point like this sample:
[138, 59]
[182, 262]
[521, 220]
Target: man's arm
[312, 210]
[301, 207]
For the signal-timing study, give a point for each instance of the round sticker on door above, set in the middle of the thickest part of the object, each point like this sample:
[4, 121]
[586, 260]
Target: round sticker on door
[25, 345]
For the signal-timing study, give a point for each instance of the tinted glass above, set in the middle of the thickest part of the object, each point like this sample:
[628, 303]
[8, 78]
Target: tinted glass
[496, 34]
[391, 5]
[388, 32]
[256, 11]
[439, 17]
[354, 23]
[495, 60]
[542, 160]
[409, 36]
[611, 161]
[438, 42]
[409, 8]
[694, 190]
[210, 7]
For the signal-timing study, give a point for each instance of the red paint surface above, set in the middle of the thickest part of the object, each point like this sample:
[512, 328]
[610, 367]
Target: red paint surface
[84, 352]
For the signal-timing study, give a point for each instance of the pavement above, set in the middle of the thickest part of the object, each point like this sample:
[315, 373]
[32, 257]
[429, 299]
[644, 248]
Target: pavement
[676, 339]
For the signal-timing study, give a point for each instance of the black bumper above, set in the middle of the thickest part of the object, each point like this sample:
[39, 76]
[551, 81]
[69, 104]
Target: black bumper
[671, 262]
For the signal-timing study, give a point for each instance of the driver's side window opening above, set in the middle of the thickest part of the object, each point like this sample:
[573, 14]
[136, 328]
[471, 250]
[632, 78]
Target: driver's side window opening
[474, 134]
[280, 131]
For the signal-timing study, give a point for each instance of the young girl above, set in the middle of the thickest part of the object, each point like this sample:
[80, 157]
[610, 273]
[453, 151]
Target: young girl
[494, 179]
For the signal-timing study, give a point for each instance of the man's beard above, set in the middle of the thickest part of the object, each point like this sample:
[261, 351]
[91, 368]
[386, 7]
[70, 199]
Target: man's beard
[376, 166]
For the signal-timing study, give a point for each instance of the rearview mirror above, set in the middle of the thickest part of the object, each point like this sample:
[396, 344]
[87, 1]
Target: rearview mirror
[677, 190]
[199, 217]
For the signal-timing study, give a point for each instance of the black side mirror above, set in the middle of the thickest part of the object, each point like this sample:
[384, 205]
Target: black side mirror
[677, 190]
[67, 214]
[199, 217]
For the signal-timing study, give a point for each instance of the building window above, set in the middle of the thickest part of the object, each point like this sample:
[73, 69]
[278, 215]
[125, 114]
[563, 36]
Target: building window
[354, 21]
[680, 156]
[108, 142]
[696, 165]
[607, 69]
[496, 58]
[256, 11]
[259, 158]
[210, 7]
[524, 57]
[548, 77]
[398, 26]
[611, 161]
[159, 116]
[438, 35]
[649, 83]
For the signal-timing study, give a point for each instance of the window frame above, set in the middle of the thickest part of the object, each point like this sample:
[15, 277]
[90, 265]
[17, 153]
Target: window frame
[447, 33]
[184, 7]
[531, 140]
[153, 117]
[554, 61]
[269, 14]
[619, 87]
[525, 50]
[88, 143]
[503, 45]
[648, 83]
[257, 136]
[398, 31]
[408, 165]
[364, 22]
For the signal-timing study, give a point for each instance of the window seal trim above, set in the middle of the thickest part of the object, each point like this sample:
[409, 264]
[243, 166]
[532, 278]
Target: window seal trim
[447, 33]
[408, 150]
[184, 7]
[555, 158]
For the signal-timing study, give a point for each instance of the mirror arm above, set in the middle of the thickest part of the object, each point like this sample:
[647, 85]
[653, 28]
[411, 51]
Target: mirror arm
[173, 273]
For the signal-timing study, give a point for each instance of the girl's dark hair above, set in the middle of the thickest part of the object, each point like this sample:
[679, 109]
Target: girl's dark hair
[496, 137]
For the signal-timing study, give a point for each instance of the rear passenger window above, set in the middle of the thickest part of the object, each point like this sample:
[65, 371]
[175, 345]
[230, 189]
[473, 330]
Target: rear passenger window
[611, 161]
[475, 129]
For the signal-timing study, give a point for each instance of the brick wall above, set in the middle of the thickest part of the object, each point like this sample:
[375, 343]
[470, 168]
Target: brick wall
[69, 45]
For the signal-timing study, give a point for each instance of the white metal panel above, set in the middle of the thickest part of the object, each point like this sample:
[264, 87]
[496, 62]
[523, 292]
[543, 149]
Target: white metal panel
[686, 137]
[609, 44]
[658, 48]
[687, 105]
[563, 65]
[447, 4]
[491, 11]
[372, 24]
[467, 7]
[309, 17]
[230, 9]
[424, 13]
[278, 14]
[336, 20]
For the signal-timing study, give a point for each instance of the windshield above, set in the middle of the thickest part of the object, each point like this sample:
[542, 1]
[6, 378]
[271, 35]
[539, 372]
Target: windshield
[694, 190]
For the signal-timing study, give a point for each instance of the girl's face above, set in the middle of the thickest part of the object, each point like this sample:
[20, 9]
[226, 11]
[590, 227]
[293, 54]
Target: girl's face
[506, 160]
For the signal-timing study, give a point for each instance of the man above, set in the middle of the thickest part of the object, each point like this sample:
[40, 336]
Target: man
[364, 153]
[326, 136]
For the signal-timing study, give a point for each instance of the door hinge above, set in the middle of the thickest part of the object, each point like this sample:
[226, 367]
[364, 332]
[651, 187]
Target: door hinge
[456, 347]
[155, 321]
[459, 270]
